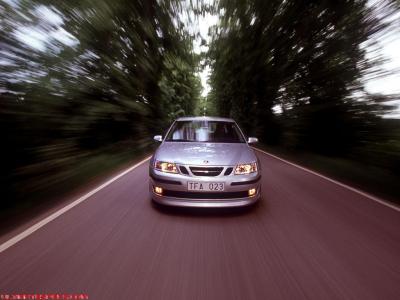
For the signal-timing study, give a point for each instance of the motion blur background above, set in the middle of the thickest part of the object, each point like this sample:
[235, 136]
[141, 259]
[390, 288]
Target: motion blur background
[84, 85]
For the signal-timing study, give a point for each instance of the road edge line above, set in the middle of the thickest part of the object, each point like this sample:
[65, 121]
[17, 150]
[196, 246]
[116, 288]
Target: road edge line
[66, 208]
[383, 202]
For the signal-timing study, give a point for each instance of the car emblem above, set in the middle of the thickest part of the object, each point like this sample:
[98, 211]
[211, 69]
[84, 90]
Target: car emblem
[205, 161]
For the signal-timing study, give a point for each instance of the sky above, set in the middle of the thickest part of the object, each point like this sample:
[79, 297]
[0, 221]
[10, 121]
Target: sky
[204, 23]
[389, 48]
[43, 35]
[391, 83]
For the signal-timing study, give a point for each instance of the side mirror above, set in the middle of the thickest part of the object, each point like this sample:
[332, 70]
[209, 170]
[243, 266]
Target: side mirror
[252, 140]
[158, 138]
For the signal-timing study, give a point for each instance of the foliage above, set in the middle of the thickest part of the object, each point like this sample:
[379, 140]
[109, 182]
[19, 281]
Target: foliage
[83, 77]
[292, 73]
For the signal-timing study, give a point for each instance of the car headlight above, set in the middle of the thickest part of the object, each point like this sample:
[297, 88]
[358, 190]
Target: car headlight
[164, 166]
[246, 168]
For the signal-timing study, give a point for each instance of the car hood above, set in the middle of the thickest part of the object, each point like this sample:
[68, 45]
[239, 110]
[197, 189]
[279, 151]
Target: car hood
[217, 154]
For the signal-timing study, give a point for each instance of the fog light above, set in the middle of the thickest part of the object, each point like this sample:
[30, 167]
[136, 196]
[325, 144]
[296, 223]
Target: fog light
[158, 190]
[252, 192]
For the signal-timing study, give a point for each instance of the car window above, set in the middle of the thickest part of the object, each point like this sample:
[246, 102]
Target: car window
[205, 131]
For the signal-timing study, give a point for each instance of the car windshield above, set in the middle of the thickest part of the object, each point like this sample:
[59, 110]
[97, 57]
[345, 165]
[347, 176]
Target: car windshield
[205, 131]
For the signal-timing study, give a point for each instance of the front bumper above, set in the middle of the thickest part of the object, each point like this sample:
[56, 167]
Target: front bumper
[175, 192]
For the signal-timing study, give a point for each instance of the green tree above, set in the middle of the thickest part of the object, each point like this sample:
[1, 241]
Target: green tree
[307, 57]
[78, 78]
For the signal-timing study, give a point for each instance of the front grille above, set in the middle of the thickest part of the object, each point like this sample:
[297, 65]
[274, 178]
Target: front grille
[206, 171]
[196, 195]
[184, 170]
[228, 171]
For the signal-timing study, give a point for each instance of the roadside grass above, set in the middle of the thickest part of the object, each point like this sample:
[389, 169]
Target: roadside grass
[90, 169]
[370, 178]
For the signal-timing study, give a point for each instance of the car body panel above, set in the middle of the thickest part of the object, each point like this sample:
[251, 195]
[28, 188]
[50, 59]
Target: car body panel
[216, 154]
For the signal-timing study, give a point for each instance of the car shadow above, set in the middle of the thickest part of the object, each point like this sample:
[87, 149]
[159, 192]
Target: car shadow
[204, 212]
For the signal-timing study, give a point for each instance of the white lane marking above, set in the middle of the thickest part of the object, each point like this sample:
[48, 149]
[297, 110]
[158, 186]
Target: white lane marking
[397, 208]
[63, 210]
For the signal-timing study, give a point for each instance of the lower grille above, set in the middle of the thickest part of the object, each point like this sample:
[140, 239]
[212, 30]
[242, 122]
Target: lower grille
[206, 171]
[166, 181]
[246, 182]
[194, 195]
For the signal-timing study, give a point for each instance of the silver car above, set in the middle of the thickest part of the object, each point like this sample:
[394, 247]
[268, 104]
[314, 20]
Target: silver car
[204, 162]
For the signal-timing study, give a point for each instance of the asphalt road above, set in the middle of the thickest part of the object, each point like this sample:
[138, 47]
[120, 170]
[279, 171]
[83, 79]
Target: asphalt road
[308, 238]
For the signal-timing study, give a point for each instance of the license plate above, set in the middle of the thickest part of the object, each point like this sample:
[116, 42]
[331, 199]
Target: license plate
[206, 186]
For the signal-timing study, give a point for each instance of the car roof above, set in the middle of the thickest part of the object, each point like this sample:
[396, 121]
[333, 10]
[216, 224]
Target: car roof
[201, 118]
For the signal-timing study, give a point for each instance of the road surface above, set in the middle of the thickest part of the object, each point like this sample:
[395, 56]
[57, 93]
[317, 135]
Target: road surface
[308, 238]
